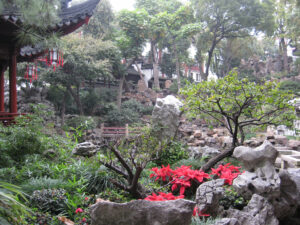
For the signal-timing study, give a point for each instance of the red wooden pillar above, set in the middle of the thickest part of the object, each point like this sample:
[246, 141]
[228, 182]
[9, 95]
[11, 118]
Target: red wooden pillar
[2, 89]
[13, 82]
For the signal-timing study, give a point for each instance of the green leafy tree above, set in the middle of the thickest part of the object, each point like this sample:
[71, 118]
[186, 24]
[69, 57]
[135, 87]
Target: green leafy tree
[131, 40]
[237, 104]
[100, 25]
[85, 60]
[225, 19]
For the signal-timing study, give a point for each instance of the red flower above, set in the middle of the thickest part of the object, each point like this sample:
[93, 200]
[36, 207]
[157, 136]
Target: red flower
[79, 210]
[162, 197]
[86, 198]
[83, 219]
[197, 211]
[227, 172]
[162, 173]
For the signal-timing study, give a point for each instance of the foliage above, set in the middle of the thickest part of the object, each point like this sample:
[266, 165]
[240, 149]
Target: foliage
[232, 199]
[12, 211]
[225, 19]
[194, 163]
[199, 221]
[115, 195]
[20, 139]
[290, 85]
[97, 181]
[53, 201]
[131, 112]
[174, 152]
[239, 103]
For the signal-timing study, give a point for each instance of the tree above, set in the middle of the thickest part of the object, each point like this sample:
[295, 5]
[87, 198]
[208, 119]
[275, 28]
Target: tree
[237, 104]
[100, 25]
[178, 27]
[131, 40]
[225, 19]
[128, 159]
[85, 60]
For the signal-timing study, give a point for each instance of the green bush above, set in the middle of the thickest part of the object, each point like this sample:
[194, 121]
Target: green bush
[97, 181]
[195, 163]
[171, 154]
[232, 199]
[53, 201]
[19, 140]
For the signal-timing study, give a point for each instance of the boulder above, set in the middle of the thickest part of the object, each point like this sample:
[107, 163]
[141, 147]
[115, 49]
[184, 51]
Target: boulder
[258, 212]
[85, 149]
[166, 116]
[260, 176]
[197, 134]
[209, 152]
[260, 157]
[281, 140]
[286, 204]
[208, 196]
[227, 221]
[176, 212]
[195, 152]
[294, 144]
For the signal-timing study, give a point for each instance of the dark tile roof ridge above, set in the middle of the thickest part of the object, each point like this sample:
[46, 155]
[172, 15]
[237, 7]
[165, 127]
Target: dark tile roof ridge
[74, 12]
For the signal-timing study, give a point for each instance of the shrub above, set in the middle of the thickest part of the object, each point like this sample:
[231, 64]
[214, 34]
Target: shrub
[232, 199]
[53, 201]
[97, 181]
[172, 153]
[11, 210]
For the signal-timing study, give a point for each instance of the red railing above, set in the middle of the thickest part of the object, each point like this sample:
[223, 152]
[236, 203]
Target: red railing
[119, 131]
[8, 118]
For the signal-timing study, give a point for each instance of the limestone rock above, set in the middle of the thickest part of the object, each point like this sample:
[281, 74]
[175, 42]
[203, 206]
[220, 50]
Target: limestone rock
[166, 116]
[208, 196]
[294, 144]
[258, 212]
[85, 149]
[209, 152]
[281, 140]
[264, 155]
[227, 221]
[286, 204]
[260, 176]
[177, 212]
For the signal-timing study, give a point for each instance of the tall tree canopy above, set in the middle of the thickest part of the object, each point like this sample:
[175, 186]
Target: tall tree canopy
[225, 19]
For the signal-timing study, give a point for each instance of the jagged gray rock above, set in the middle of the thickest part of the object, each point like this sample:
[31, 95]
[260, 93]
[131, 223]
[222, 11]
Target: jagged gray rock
[258, 212]
[261, 177]
[209, 152]
[286, 204]
[166, 116]
[85, 149]
[177, 212]
[227, 221]
[208, 196]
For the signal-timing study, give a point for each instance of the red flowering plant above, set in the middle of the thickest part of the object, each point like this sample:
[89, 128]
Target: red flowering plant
[181, 178]
[163, 197]
[227, 172]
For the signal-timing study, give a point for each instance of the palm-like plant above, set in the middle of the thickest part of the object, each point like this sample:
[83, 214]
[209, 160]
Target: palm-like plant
[11, 210]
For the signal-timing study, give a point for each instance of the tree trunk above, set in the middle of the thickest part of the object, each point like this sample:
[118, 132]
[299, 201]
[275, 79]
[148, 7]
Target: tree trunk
[213, 161]
[76, 97]
[63, 109]
[284, 55]
[177, 66]
[141, 75]
[120, 92]
[155, 66]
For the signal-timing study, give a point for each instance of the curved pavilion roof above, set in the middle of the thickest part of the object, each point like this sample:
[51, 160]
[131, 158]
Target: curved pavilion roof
[71, 18]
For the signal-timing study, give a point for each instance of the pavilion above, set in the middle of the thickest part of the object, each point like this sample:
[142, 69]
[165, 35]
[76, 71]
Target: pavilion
[71, 18]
